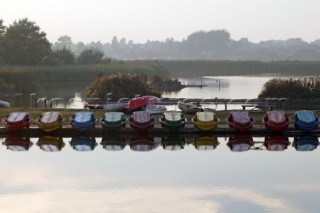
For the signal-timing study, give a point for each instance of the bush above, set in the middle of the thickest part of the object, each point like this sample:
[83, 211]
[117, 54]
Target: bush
[120, 85]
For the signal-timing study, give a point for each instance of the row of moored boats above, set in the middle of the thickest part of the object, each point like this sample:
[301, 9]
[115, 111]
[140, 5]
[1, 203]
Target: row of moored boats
[241, 121]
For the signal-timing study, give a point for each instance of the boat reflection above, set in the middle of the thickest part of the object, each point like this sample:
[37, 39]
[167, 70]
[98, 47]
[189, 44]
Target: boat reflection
[83, 143]
[276, 143]
[305, 143]
[173, 142]
[143, 143]
[17, 143]
[240, 143]
[205, 142]
[113, 143]
[50, 143]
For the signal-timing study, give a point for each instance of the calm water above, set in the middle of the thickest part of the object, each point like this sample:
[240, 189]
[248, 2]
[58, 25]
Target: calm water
[76, 179]
[233, 87]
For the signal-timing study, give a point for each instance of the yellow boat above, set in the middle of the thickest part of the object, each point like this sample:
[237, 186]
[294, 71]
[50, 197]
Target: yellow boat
[205, 120]
[50, 121]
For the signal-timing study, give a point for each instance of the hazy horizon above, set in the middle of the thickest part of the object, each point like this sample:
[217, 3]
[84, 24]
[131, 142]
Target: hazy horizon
[142, 20]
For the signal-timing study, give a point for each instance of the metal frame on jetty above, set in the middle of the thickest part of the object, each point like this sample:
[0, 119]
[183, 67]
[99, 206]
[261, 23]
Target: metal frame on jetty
[157, 130]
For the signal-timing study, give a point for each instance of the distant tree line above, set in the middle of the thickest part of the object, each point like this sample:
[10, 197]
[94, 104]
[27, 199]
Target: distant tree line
[202, 45]
[23, 43]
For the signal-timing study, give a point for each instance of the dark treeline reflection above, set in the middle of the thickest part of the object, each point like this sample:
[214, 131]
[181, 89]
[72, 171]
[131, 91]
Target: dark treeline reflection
[144, 143]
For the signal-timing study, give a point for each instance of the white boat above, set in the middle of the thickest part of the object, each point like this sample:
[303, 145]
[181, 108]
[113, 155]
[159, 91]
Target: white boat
[4, 104]
[119, 105]
[155, 108]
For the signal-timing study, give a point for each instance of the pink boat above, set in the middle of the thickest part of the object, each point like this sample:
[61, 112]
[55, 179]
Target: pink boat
[276, 120]
[140, 102]
[241, 121]
[141, 120]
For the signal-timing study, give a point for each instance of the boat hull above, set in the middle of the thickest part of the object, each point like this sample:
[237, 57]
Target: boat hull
[16, 121]
[50, 121]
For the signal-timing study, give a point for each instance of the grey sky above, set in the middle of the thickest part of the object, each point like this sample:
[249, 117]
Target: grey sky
[140, 20]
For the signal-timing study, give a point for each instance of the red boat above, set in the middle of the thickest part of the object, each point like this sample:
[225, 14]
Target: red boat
[241, 121]
[17, 121]
[18, 143]
[140, 102]
[276, 143]
[142, 143]
[141, 120]
[276, 120]
[240, 143]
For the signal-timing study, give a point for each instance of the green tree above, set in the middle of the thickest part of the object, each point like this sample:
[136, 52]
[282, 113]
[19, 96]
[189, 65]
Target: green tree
[63, 42]
[90, 56]
[2, 31]
[25, 44]
[63, 56]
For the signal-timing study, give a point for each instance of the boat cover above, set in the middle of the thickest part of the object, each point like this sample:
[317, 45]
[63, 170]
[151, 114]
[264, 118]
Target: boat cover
[49, 117]
[16, 116]
[83, 117]
[141, 116]
[172, 116]
[113, 116]
[205, 116]
[240, 116]
[277, 116]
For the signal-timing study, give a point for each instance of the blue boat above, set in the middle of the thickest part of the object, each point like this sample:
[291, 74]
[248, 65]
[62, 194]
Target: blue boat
[83, 121]
[306, 120]
[305, 143]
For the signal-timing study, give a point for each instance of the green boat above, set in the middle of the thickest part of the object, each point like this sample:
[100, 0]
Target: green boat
[113, 120]
[173, 120]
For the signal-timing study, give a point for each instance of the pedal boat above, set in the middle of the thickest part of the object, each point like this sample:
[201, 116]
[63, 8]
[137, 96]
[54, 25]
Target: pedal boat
[17, 121]
[205, 120]
[276, 120]
[241, 121]
[83, 121]
[50, 121]
[141, 120]
[306, 120]
[173, 120]
[113, 120]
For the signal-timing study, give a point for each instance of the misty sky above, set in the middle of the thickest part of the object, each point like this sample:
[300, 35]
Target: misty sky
[142, 20]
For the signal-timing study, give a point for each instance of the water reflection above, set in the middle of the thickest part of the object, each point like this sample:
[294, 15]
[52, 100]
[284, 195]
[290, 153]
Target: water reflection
[173, 142]
[83, 143]
[305, 143]
[143, 143]
[113, 143]
[236, 143]
[206, 142]
[240, 143]
[17, 143]
[50, 143]
[276, 143]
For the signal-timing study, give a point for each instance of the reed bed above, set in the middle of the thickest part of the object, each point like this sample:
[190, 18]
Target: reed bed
[301, 88]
